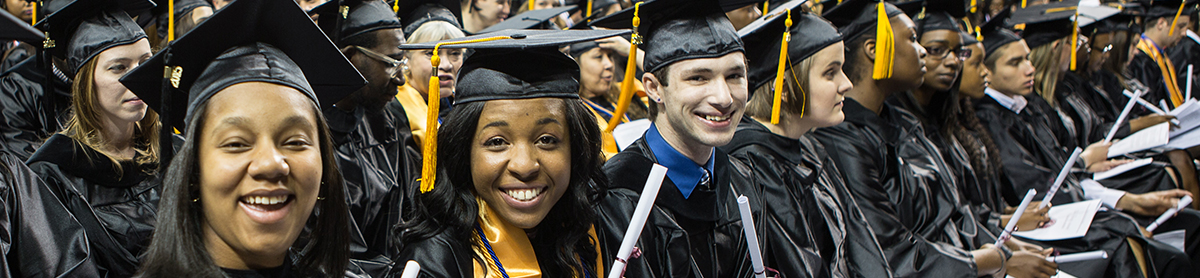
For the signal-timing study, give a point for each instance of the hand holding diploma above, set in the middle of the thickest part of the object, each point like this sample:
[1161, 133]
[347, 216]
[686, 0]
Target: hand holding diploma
[640, 213]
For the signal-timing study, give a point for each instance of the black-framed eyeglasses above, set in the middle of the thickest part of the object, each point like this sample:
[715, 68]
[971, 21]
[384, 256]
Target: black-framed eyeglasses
[1102, 49]
[393, 69]
[940, 52]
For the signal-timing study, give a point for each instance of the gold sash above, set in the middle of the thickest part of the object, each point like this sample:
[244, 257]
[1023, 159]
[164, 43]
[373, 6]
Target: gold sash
[513, 249]
[415, 108]
[1165, 66]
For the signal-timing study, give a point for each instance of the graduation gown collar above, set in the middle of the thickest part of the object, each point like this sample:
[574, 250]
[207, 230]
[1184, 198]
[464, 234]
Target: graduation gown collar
[704, 204]
[803, 152]
[858, 114]
[82, 161]
[684, 172]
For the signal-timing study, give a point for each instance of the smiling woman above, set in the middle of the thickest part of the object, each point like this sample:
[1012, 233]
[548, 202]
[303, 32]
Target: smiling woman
[248, 178]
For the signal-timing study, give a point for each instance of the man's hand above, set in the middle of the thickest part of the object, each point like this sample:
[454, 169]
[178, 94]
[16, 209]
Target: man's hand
[1148, 121]
[1151, 204]
[1025, 264]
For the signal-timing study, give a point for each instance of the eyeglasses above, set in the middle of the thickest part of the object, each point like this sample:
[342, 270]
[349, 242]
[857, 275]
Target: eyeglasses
[394, 66]
[940, 52]
[1102, 49]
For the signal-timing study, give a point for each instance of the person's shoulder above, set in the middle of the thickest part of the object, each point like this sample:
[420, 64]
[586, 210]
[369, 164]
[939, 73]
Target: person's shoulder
[439, 256]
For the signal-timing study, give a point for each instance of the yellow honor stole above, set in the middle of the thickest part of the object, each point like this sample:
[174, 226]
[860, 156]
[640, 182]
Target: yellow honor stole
[512, 248]
[1164, 65]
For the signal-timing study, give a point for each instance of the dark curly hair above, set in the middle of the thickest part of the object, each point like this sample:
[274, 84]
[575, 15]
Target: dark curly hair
[564, 247]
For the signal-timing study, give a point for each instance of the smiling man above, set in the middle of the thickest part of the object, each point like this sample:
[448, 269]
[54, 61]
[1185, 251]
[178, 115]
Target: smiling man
[696, 82]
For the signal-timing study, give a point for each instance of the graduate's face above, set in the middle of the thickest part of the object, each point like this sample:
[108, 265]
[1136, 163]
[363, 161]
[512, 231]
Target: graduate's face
[118, 104]
[744, 15]
[544, 4]
[260, 172]
[521, 158]
[420, 69]
[1101, 45]
[702, 103]
[381, 86]
[595, 72]
[1013, 72]
[307, 5]
[908, 68]
[827, 87]
[20, 8]
[1179, 32]
[490, 11]
[943, 70]
[974, 74]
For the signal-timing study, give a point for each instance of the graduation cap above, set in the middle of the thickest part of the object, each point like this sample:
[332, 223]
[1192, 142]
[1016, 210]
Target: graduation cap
[12, 28]
[530, 19]
[360, 17]
[940, 15]
[507, 64]
[247, 41]
[1048, 23]
[995, 35]
[768, 53]
[417, 12]
[81, 29]
[677, 30]
[1122, 21]
[855, 18]
[730, 5]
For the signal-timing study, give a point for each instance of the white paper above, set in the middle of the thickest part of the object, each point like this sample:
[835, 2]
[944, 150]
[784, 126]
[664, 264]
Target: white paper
[1150, 137]
[1060, 274]
[626, 133]
[1122, 169]
[1173, 238]
[1066, 222]
[1186, 140]
[1187, 116]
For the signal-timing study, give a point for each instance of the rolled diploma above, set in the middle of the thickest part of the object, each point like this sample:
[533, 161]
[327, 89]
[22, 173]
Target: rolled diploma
[1183, 203]
[1062, 176]
[645, 203]
[751, 237]
[1188, 93]
[411, 269]
[1012, 222]
[1146, 104]
[1124, 113]
[1077, 257]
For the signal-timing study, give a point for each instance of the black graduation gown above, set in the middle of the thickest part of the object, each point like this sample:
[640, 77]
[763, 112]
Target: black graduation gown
[27, 115]
[1184, 53]
[800, 181]
[15, 52]
[709, 218]
[282, 271]
[870, 149]
[440, 256]
[376, 165]
[1145, 70]
[40, 237]
[116, 210]
[1025, 153]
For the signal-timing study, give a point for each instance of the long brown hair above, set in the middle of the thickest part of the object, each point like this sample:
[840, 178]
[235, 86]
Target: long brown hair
[1048, 67]
[795, 79]
[84, 125]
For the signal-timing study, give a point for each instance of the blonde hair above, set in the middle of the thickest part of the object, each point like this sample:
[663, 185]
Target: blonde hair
[795, 80]
[1048, 67]
[431, 31]
[84, 125]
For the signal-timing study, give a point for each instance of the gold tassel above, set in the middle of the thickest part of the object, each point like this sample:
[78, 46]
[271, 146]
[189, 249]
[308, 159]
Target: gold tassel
[766, 6]
[783, 58]
[1171, 32]
[589, 8]
[429, 148]
[627, 85]
[1022, 4]
[1074, 39]
[973, 5]
[884, 45]
[532, 2]
[170, 20]
[34, 13]
[396, 7]
[978, 34]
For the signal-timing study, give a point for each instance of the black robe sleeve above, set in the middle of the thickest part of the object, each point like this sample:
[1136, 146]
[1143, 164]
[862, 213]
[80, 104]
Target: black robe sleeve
[1145, 70]
[440, 257]
[27, 115]
[863, 158]
[41, 238]
[663, 244]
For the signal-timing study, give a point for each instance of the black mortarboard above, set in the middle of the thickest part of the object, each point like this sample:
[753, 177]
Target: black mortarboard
[13, 28]
[535, 19]
[807, 35]
[1093, 17]
[939, 15]
[855, 18]
[363, 16]
[83, 28]
[247, 41]
[597, 5]
[730, 5]
[507, 64]
[676, 30]
[1046, 23]
[414, 13]
[1122, 21]
[1169, 9]
[995, 35]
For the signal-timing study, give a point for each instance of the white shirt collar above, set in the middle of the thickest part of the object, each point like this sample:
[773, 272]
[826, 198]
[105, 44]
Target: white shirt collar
[1016, 103]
